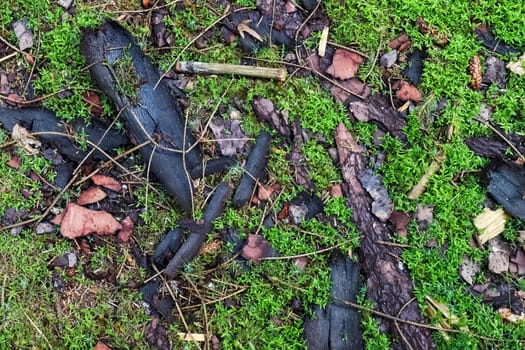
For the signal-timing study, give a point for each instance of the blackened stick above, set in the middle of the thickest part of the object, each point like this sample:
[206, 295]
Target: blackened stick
[253, 170]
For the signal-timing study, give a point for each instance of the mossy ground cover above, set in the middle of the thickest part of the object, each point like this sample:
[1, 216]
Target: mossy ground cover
[37, 314]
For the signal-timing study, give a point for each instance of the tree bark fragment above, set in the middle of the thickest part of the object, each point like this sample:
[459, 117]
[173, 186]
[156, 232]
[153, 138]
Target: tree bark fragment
[388, 281]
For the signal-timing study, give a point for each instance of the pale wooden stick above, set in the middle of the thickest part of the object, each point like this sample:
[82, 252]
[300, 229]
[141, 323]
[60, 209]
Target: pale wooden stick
[220, 68]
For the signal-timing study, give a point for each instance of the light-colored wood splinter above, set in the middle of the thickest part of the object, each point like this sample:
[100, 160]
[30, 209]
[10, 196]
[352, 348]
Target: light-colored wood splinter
[222, 68]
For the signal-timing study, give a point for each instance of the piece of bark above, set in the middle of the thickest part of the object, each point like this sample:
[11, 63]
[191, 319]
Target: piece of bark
[337, 326]
[212, 166]
[388, 283]
[127, 76]
[495, 72]
[167, 247]
[414, 71]
[378, 109]
[216, 205]
[43, 121]
[254, 170]
[484, 35]
[506, 184]
[198, 231]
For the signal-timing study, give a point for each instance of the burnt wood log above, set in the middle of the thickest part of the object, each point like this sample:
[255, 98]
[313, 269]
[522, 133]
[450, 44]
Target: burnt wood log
[198, 231]
[47, 123]
[254, 169]
[506, 185]
[337, 326]
[388, 283]
[127, 76]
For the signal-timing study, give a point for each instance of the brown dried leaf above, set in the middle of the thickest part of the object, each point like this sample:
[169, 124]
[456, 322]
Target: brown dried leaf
[127, 229]
[91, 195]
[424, 216]
[15, 162]
[408, 92]
[93, 100]
[79, 221]
[499, 256]
[256, 248]
[107, 182]
[101, 346]
[400, 43]
[345, 64]
[507, 314]
[244, 27]
[400, 220]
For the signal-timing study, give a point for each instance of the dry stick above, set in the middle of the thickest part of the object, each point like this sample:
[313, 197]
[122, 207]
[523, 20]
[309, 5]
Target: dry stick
[313, 71]
[305, 254]
[147, 178]
[194, 40]
[99, 141]
[179, 311]
[33, 66]
[397, 324]
[237, 69]
[507, 141]
[374, 61]
[33, 101]
[38, 330]
[348, 49]
[5, 58]
[206, 320]
[216, 300]
[110, 161]
[299, 59]
[412, 323]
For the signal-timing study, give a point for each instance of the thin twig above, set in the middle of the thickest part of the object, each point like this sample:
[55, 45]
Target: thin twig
[502, 136]
[192, 41]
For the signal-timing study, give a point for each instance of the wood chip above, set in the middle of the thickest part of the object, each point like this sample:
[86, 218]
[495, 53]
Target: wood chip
[490, 223]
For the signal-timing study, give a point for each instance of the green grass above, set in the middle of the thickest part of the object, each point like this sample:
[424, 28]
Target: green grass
[261, 315]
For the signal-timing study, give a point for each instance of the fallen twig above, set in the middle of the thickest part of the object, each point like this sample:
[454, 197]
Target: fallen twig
[220, 68]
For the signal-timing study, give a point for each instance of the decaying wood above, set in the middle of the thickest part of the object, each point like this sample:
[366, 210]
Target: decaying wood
[193, 67]
[337, 326]
[254, 169]
[389, 285]
[128, 77]
[198, 231]
[58, 134]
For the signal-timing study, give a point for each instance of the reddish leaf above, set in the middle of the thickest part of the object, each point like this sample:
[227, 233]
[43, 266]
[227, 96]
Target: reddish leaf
[400, 220]
[345, 64]
[57, 220]
[107, 182]
[91, 195]
[127, 229]
[93, 100]
[256, 248]
[400, 43]
[15, 162]
[101, 346]
[408, 92]
[79, 221]
[336, 191]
